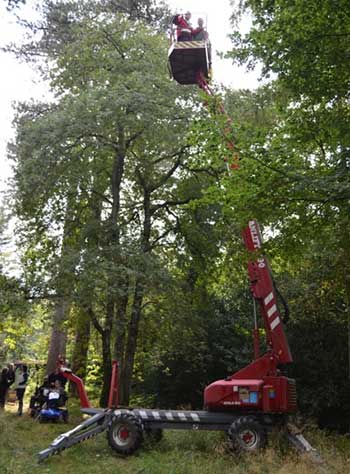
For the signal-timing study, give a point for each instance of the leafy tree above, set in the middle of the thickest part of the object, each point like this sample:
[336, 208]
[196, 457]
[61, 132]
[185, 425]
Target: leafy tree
[111, 154]
[304, 43]
[295, 171]
[14, 307]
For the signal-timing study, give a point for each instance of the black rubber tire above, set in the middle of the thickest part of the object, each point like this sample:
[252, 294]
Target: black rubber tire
[155, 435]
[247, 434]
[125, 433]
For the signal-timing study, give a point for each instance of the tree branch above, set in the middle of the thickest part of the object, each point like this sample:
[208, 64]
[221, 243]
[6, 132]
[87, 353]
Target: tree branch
[95, 321]
[156, 207]
[114, 43]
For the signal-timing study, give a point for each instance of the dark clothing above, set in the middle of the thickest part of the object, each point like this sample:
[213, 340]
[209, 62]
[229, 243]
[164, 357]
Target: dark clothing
[43, 390]
[20, 395]
[3, 395]
[184, 36]
[56, 398]
[5, 379]
[38, 400]
[199, 34]
[54, 376]
[42, 394]
[11, 377]
[5, 382]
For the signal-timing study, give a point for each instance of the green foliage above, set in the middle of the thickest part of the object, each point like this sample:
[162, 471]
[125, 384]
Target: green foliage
[294, 178]
[305, 43]
[14, 306]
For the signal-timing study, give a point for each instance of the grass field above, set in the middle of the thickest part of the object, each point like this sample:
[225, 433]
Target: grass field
[179, 452]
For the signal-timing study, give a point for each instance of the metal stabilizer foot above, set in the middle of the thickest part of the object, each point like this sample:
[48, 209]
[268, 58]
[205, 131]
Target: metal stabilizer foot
[89, 428]
[303, 446]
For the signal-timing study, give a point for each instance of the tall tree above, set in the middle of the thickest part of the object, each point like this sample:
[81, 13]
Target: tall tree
[111, 105]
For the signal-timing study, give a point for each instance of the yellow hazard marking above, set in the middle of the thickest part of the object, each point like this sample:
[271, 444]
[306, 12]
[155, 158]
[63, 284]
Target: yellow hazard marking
[189, 44]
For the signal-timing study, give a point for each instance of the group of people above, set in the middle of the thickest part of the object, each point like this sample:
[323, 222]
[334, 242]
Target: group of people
[15, 375]
[51, 394]
[185, 31]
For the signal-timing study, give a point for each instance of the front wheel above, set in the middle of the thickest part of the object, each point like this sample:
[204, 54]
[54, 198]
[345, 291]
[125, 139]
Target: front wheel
[247, 434]
[125, 433]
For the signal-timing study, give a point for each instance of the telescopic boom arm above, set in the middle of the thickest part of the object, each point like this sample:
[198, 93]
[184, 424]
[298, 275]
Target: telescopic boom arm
[263, 290]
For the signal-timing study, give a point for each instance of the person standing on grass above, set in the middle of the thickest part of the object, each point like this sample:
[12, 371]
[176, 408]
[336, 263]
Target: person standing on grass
[5, 382]
[21, 380]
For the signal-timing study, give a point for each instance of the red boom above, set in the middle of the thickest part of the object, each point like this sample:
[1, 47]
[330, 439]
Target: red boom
[259, 386]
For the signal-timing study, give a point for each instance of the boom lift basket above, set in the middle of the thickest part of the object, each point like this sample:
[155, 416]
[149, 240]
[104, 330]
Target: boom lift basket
[186, 58]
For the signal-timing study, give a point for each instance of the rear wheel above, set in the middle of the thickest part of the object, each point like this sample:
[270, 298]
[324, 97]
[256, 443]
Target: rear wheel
[125, 434]
[247, 434]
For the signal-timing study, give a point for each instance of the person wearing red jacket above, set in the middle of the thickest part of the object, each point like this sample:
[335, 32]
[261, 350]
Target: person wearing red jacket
[184, 29]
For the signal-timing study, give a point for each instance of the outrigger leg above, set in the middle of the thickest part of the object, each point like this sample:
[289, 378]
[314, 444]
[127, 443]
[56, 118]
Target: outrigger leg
[296, 438]
[89, 428]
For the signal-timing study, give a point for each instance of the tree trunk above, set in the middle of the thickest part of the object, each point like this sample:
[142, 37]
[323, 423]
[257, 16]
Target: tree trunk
[113, 253]
[58, 333]
[64, 282]
[120, 331]
[145, 249]
[126, 376]
[131, 344]
[106, 367]
[81, 347]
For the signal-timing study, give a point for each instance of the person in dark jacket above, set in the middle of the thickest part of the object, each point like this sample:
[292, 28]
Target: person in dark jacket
[38, 400]
[5, 382]
[199, 33]
[57, 375]
[11, 373]
[57, 396]
[21, 380]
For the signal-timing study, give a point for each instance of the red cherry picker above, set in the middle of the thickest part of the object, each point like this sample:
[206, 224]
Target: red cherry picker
[248, 404]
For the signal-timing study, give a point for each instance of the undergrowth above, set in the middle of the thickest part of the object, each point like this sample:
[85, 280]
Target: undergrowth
[179, 452]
